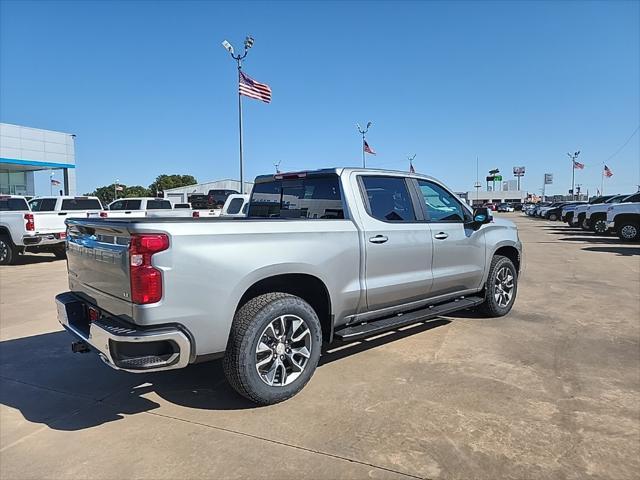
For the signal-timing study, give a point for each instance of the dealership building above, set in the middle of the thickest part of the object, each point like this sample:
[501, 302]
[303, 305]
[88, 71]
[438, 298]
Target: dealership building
[26, 150]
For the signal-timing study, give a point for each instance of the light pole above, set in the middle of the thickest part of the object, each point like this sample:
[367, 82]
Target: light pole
[115, 189]
[573, 157]
[363, 133]
[248, 43]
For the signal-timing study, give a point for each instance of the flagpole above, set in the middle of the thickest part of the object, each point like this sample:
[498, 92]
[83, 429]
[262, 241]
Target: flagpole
[602, 180]
[248, 43]
[364, 160]
[573, 173]
[363, 132]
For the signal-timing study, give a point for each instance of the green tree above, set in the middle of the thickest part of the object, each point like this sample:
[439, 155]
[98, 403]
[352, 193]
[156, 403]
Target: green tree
[106, 193]
[164, 182]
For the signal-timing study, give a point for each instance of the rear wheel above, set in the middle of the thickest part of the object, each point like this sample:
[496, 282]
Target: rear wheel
[60, 252]
[273, 349]
[501, 287]
[629, 231]
[8, 251]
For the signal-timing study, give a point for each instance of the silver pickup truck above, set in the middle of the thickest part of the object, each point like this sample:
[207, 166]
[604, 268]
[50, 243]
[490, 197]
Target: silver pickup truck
[323, 256]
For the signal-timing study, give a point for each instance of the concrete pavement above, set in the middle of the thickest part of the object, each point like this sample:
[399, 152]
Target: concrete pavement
[550, 391]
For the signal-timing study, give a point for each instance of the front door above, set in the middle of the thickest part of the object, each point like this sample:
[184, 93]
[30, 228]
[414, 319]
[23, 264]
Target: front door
[458, 251]
[397, 243]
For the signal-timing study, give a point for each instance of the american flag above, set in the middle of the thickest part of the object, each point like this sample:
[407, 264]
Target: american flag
[252, 89]
[578, 165]
[55, 182]
[607, 172]
[368, 149]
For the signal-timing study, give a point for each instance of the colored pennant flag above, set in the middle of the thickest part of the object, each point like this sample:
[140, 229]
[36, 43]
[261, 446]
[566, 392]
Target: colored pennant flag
[252, 89]
[578, 165]
[607, 172]
[368, 149]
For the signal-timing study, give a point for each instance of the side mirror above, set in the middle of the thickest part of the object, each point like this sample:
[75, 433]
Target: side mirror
[481, 216]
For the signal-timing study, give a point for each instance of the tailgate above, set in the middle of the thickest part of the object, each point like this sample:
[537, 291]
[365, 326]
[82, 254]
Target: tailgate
[98, 263]
[49, 222]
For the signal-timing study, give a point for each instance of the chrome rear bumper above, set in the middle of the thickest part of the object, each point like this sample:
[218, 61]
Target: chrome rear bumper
[122, 345]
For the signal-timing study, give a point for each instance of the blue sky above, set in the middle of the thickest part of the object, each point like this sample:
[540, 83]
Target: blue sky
[148, 89]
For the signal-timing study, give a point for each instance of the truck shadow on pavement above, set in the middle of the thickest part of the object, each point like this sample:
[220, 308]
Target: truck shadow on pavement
[621, 251]
[33, 259]
[48, 384]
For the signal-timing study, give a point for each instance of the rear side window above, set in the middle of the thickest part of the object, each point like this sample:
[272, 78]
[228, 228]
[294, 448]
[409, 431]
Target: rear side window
[43, 204]
[309, 198]
[125, 205]
[389, 199]
[13, 204]
[158, 205]
[235, 205]
[633, 198]
[81, 204]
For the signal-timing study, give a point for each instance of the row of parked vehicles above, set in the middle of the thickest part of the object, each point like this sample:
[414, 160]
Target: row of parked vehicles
[38, 225]
[619, 214]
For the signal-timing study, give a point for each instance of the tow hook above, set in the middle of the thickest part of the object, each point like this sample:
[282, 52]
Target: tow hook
[80, 347]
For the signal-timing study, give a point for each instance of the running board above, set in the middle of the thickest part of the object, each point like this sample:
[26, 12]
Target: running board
[356, 332]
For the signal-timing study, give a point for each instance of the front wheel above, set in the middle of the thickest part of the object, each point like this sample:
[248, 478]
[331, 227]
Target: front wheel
[584, 224]
[553, 217]
[8, 251]
[629, 231]
[600, 227]
[273, 348]
[501, 287]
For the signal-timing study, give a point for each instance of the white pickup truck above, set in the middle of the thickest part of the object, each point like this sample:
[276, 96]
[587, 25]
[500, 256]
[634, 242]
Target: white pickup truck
[19, 231]
[53, 211]
[624, 219]
[138, 207]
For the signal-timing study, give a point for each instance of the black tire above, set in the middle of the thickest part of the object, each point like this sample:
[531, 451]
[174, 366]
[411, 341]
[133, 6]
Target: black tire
[248, 329]
[584, 223]
[629, 231]
[491, 307]
[60, 252]
[600, 226]
[553, 217]
[8, 251]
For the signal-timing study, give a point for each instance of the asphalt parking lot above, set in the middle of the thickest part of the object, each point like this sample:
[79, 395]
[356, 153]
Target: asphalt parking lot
[550, 391]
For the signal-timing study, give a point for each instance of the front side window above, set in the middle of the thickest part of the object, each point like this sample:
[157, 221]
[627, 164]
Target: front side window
[309, 198]
[389, 199]
[43, 204]
[119, 205]
[441, 205]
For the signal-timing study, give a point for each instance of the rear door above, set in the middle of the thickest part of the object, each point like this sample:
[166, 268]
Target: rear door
[459, 253]
[396, 241]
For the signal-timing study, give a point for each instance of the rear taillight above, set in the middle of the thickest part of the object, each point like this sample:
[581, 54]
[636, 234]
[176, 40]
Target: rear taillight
[146, 281]
[30, 226]
[104, 214]
[195, 214]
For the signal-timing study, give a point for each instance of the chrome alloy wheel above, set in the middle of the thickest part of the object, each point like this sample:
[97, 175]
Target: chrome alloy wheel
[629, 231]
[504, 286]
[4, 251]
[283, 350]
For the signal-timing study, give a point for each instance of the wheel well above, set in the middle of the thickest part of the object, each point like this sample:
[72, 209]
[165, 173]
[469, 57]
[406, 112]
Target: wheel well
[512, 254]
[626, 217]
[598, 216]
[311, 289]
[4, 231]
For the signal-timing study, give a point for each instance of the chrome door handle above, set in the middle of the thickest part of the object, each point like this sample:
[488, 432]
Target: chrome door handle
[441, 235]
[378, 239]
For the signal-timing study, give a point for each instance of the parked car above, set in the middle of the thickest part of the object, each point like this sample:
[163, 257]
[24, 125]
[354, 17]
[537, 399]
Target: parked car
[327, 255]
[580, 211]
[40, 230]
[505, 207]
[566, 214]
[554, 212]
[136, 207]
[217, 198]
[237, 205]
[490, 206]
[624, 219]
[596, 215]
